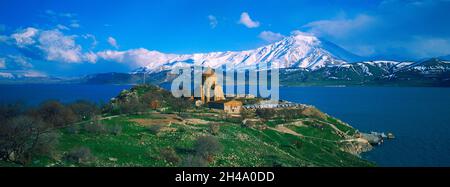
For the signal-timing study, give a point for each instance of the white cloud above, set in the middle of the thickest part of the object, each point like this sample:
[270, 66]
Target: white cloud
[15, 62]
[6, 75]
[33, 74]
[270, 36]
[53, 45]
[52, 14]
[75, 25]
[112, 41]
[136, 57]
[247, 21]
[62, 27]
[25, 37]
[22, 74]
[2, 63]
[58, 47]
[340, 27]
[20, 62]
[212, 21]
[91, 57]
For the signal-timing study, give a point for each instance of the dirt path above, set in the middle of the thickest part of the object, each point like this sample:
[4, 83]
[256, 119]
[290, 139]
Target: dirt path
[283, 129]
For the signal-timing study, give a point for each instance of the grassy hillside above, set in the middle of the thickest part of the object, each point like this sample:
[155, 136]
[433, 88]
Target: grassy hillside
[172, 138]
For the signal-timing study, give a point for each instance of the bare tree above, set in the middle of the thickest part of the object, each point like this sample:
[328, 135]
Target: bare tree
[22, 137]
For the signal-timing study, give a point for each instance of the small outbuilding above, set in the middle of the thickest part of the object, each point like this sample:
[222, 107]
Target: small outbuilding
[231, 107]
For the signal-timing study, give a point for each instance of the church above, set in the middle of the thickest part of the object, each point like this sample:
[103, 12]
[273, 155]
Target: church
[211, 93]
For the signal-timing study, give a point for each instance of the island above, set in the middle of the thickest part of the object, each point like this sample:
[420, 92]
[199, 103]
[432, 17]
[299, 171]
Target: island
[147, 126]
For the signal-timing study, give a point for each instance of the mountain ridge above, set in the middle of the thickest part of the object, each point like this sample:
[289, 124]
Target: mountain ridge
[295, 51]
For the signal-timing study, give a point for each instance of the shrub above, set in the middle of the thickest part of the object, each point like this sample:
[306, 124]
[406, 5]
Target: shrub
[246, 114]
[170, 155]
[179, 104]
[53, 112]
[80, 155]
[265, 113]
[8, 111]
[131, 105]
[47, 143]
[22, 137]
[313, 112]
[214, 128]
[194, 161]
[155, 129]
[115, 130]
[208, 146]
[289, 114]
[84, 109]
[95, 127]
[73, 129]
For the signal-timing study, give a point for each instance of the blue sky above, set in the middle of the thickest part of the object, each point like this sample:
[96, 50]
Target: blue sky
[408, 29]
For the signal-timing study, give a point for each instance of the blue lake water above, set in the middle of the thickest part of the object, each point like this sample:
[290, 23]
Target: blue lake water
[419, 117]
[34, 94]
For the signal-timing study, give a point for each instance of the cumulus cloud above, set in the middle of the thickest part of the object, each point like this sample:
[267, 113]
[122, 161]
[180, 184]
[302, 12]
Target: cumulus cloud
[212, 21]
[247, 21]
[25, 37]
[299, 32]
[59, 47]
[112, 41]
[135, 57]
[52, 45]
[270, 36]
[91, 57]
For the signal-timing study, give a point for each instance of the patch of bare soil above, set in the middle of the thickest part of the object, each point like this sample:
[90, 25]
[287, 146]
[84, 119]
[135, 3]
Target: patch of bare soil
[193, 121]
[283, 129]
[162, 119]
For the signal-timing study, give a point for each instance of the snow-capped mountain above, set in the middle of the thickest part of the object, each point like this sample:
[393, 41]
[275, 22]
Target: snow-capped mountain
[373, 68]
[431, 72]
[295, 51]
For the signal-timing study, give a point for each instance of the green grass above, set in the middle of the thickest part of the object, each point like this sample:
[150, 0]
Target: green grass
[136, 146]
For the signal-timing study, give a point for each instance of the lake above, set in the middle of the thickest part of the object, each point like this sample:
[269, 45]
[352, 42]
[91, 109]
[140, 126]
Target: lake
[419, 117]
[33, 94]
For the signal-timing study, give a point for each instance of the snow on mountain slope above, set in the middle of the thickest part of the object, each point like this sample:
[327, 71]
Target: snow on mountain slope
[367, 69]
[296, 51]
[431, 66]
